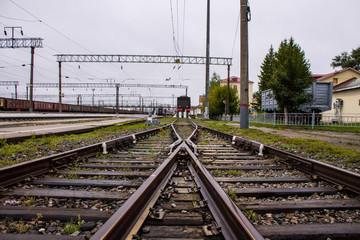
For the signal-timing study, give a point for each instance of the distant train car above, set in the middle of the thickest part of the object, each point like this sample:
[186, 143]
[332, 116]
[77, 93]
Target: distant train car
[9, 104]
[183, 106]
[16, 104]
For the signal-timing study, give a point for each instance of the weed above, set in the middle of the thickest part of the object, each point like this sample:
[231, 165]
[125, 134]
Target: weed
[20, 226]
[29, 201]
[250, 214]
[2, 142]
[217, 172]
[70, 175]
[131, 154]
[99, 177]
[231, 193]
[73, 226]
[233, 172]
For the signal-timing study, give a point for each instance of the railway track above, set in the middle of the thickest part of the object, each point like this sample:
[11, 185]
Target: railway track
[157, 184]
[283, 195]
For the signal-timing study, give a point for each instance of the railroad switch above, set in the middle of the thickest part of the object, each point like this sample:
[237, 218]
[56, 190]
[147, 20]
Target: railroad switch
[156, 213]
[212, 229]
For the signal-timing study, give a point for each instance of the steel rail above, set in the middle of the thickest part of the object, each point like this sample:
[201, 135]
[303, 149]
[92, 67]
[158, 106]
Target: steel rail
[193, 136]
[234, 224]
[336, 175]
[125, 218]
[178, 140]
[18, 172]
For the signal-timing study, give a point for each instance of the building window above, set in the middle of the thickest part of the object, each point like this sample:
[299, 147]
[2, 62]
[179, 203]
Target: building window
[335, 81]
[235, 87]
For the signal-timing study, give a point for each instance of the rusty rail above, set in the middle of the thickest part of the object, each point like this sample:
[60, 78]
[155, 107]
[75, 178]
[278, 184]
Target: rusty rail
[336, 175]
[234, 224]
[124, 219]
[18, 172]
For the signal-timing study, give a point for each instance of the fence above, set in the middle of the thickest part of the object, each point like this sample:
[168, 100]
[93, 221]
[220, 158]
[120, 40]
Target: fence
[300, 119]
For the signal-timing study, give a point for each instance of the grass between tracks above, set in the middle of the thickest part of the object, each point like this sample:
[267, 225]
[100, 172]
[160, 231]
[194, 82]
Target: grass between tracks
[315, 149]
[38, 147]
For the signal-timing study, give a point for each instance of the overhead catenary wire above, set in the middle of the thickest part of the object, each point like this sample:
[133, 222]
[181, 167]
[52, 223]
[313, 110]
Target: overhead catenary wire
[176, 45]
[18, 19]
[50, 27]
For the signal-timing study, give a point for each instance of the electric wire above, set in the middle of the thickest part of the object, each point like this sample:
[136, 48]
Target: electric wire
[50, 26]
[18, 19]
[176, 46]
[235, 37]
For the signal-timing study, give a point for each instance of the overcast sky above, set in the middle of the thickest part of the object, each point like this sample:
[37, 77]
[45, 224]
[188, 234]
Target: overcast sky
[323, 29]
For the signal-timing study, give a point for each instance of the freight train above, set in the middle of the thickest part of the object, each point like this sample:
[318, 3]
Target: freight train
[8, 104]
[183, 106]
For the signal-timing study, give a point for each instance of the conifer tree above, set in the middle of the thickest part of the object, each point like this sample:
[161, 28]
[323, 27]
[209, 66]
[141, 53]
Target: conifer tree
[291, 76]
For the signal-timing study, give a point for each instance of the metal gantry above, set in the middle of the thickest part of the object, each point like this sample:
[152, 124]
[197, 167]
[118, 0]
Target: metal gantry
[116, 58]
[23, 43]
[10, 83]
[141, 59]
[103, 85]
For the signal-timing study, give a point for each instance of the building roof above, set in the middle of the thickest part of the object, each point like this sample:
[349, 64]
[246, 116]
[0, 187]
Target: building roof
[319, 77]
[233, 79]
[352, 83]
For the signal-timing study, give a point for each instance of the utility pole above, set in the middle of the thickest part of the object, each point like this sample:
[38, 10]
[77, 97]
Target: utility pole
[16, 95]
[31, 107]
[93, 96]
[206, 114]
[228, 92]
[60, 106]
[244, 64]
[117, 98]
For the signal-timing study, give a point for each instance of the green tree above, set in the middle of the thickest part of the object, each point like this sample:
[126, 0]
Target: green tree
[214, 81]
[217, 97]
[257, 103]
[291, 76]
[266, 72]
[345, 60]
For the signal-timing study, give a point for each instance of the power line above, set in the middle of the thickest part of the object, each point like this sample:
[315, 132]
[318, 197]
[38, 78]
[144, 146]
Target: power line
[50, 26]
[18, 19]
[183, 39]
[236, 31]
[176, 46]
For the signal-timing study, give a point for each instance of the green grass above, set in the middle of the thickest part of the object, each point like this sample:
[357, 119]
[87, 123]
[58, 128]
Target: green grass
[70, 176]
[34, 147]
[232, 172]
[217, 172]
[231, 193]
[250, 214]
[311, 148]
[73, 226]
